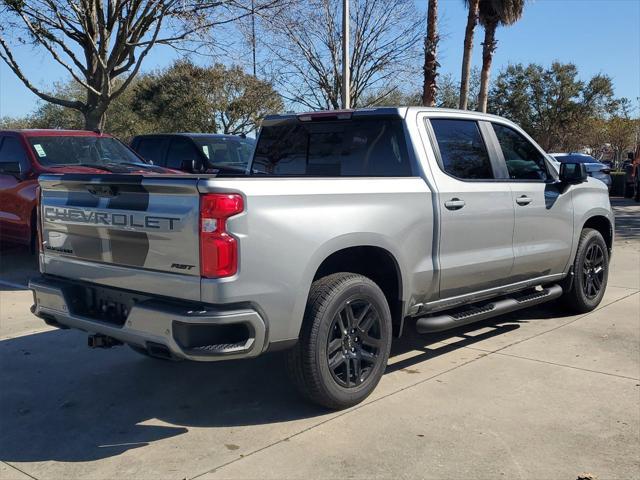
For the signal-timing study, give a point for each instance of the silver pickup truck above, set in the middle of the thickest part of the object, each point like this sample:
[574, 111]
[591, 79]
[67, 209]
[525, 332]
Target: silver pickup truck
[348, 227]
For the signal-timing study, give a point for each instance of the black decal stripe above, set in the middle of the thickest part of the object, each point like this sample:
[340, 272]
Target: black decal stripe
[78, 198]
[129, 248]
[85, 242]
[131, 197]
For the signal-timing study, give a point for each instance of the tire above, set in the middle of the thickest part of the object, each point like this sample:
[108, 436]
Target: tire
[591, 270]
[344, 342]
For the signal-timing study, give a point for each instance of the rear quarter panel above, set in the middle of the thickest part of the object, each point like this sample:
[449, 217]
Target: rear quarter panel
[291, 225]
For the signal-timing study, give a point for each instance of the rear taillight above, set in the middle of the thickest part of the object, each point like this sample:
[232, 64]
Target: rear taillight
[218, 249]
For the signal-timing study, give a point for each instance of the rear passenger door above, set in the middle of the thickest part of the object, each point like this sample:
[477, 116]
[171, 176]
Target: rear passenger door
[476, 211]
[543, 232]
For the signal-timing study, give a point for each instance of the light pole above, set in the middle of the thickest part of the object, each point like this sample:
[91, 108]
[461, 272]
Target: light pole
[253, 34]
[346, 100]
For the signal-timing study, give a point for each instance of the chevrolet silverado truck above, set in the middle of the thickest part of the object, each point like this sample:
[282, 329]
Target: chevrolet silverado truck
[350, 227]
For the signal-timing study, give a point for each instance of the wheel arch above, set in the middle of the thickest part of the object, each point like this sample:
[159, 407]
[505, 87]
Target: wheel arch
[375, 262]
[603, 225]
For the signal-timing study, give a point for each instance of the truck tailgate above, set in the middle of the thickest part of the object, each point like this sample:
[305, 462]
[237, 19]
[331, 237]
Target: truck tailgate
[142, 231]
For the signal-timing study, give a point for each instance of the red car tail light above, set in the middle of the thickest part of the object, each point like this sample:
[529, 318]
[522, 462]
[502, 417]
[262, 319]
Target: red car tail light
[218, 249]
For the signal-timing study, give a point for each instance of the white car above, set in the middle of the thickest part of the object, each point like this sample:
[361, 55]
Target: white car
[595, 168]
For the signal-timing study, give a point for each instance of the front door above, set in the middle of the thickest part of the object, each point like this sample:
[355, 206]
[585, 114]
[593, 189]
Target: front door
[543, 232]
[16, 193]
[476, 212]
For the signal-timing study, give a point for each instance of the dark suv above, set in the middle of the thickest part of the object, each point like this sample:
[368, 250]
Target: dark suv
[196, 152]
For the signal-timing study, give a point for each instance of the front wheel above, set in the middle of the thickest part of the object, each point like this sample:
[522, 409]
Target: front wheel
[344, 342]
[591, 271]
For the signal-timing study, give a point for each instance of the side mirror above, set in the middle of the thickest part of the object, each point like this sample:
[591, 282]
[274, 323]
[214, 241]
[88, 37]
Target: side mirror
[573, 173]
[11, 168]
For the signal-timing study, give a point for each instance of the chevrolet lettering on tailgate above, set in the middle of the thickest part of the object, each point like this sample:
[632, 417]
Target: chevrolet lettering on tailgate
[96, 217]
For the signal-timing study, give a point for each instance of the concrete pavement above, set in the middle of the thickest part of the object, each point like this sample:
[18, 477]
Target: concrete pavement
[535, 394]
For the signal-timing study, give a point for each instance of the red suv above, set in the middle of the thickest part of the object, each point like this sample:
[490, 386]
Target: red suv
[25, 154]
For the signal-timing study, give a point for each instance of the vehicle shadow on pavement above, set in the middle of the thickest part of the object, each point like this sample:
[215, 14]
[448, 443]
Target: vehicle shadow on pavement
[17, 266]
[62, 401]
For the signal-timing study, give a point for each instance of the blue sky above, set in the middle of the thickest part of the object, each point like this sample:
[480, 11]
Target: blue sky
[599, 36]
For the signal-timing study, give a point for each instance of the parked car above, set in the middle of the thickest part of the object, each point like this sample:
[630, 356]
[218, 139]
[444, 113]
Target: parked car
[196, 152]
[351, 227]
[26, 154]
[595, 168]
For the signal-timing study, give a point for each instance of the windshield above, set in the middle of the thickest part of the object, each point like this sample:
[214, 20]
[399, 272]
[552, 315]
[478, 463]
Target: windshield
[75, 150]
[575, 159]
[225, 152]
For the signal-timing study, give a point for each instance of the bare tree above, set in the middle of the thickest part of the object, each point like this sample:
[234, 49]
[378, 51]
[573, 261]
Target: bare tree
[430, 55]
[100, 41]
[305, 45]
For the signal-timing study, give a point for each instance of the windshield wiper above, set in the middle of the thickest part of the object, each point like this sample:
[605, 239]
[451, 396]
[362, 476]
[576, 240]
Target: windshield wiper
[133, 164]
[88, 165]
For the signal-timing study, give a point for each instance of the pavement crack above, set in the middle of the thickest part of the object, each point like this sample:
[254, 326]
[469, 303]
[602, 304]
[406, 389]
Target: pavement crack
[567, 366]
[563, 325]
[19, 470]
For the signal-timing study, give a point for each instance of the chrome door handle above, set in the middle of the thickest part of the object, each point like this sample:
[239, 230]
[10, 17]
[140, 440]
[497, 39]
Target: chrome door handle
[454, 204]
[524, 200]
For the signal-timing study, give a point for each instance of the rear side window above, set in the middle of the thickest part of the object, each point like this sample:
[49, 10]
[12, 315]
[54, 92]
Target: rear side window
[524, 161]
[151, 148]
[354, 148]
[462, 149]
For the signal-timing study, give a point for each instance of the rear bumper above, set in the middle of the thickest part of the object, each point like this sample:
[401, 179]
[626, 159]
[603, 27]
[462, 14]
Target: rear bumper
[192, 332]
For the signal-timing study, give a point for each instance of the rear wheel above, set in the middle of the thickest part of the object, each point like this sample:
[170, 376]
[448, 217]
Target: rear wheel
[591, 270]
[344, 342]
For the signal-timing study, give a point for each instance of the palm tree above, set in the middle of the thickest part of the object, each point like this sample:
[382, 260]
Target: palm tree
[430, 55]
[491, 14]
[472, 19]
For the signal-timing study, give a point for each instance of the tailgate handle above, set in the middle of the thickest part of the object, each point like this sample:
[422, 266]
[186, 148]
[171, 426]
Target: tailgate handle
[102, 190]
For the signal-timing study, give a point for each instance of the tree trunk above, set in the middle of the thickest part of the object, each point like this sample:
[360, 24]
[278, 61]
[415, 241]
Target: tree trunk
[94, 119]
[472, 19]
[488, 47]
[430, 56]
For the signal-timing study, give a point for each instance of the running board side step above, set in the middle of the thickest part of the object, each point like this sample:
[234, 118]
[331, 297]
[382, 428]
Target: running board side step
[474, 313]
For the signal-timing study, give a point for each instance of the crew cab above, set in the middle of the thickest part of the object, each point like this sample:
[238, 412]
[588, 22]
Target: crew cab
[351, 227]
[26, 154]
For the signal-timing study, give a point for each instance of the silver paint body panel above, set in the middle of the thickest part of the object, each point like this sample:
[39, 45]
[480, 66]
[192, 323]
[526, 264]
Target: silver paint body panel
[290, 225]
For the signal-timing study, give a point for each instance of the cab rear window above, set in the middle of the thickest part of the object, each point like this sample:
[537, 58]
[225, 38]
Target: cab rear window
[354, 148]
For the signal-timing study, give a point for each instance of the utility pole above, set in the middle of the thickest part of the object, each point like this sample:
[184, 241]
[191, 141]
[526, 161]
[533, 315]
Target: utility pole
[346, 100]
[253, 34]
